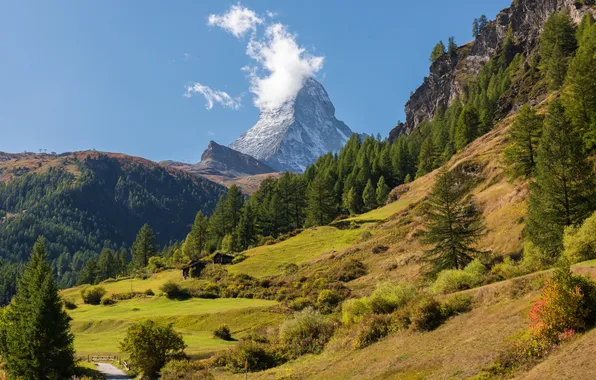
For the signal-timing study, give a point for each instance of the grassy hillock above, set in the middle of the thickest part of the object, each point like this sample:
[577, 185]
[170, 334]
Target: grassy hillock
[98, 329]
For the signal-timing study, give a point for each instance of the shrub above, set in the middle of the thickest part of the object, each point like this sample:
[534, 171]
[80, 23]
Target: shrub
[223, 332]
[289, 268]
[69, 304]
[173, 290]
[535, 259]
[580, 242]
[509, 269]
[457, 304]
[185, 369]
[149, 293]
[567, 304]
[452, 280]
[426, 315]
[475, 268]
[307, 332]
[156, 264]
[387, 297]
[106, 301]
[365, 235]
[372, 330]
[151, 346]
[300, 303]
[349, 270]
[328, 300]
[354, 310]
[258, 355]
[92, 294]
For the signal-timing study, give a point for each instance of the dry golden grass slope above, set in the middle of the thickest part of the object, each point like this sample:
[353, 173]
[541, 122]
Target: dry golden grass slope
[466, 344]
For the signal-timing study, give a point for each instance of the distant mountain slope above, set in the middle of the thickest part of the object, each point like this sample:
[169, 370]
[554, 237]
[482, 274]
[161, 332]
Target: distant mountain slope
[88, 200]
[293, 136]
[227, 167]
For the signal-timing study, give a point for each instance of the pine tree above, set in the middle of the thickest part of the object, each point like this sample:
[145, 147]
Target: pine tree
[196, 240]
[426, 159]
[232, 206]
[452, 222]
[105, 265]
[438, 51]
[580, 86]
[557, 44]
[246, 231]
[144, 246]
[352, 201]
[37, 342]
[563, 193]
[467, 127]
[369, 196]
[382, 192]
[452, 49]
[322, 204]
[524, 135]
[475, 28]
[88, 274]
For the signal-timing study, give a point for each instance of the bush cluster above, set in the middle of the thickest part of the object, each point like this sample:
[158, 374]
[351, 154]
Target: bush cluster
[92, 295]
[223, 332]
[306, 333]
[371, 330]
[173, 290]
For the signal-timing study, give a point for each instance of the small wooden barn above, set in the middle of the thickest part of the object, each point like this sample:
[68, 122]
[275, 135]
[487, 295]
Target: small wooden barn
[193, 269]
[222, 258]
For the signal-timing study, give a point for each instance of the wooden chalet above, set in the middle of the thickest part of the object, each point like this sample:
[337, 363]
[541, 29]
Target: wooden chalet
[193, 269]
[223, 258]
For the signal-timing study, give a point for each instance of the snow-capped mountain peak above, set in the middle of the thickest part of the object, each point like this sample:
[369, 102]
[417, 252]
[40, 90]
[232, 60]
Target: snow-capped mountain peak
[294, 135]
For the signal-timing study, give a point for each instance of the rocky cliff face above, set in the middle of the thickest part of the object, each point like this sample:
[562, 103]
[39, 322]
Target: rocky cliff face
[222, 159]
[448, 79]
[293, 136]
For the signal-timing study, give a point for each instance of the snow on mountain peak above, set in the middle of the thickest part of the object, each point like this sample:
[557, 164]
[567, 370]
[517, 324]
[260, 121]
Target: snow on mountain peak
[294, 135]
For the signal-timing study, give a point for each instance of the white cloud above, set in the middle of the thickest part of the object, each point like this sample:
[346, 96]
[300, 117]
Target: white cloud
[213, 96]
[284, 67]
[238, 20]
[281, 65]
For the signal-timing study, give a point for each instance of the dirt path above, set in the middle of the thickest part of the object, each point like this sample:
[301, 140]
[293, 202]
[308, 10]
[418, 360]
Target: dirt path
[111, 372]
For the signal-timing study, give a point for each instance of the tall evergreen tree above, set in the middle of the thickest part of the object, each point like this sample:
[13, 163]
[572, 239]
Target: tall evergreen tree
[246, 230]
[452, 48]
[369, 196]
[322, 203]
[524, 135]
[452, 223]
[557, 44]
[232, 206]
[382, 192]
[475, 28]
[88, 274]
[564, 191]
[468, 127]
[37, 342]
[106, 265]
[580, 86]
[438, 51]
[196, 240]
[144, 246]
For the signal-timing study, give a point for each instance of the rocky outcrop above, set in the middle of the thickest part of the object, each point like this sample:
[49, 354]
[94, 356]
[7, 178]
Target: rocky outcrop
[449, 77]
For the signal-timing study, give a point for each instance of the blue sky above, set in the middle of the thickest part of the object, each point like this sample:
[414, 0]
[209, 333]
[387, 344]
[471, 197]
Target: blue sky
[111, 75]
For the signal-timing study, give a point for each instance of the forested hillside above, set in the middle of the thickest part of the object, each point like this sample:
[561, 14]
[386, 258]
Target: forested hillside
[88, 201]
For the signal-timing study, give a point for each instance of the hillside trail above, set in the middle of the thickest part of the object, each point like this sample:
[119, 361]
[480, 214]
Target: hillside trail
[111, 372]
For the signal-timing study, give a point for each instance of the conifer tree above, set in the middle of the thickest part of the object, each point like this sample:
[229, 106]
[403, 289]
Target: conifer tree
[438, 51]
[524, 135]
[467, 127]
[246, 228]
[557, 44]
[382, 192]
[452, 48]
[232, 206]
[352, 201]
[564, 191]
[196, 240]
[369, 196]
[105, 265]
[426, 158]
[452, 223]
[475, 28]
[144, 246]
[37, 342]
[580, 86]
[88, 274]
[322, 204]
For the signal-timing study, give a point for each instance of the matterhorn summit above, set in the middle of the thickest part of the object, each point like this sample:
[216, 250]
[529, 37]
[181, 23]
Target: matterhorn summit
[294, 135]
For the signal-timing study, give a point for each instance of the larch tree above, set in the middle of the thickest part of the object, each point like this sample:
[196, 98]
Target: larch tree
[196, 240]
[557, 44]
[524, 135]
[438, 51]
[564, 191]
[369, 196]
[321, 201]
[144, 246]
[452, 223]
[37, 342]
[383, 191]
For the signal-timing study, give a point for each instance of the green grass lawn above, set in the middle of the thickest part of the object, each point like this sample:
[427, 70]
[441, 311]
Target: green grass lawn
[382, 213]
[125, 286]
[99, 329]
[268, 260]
